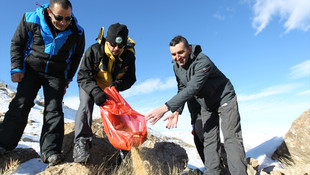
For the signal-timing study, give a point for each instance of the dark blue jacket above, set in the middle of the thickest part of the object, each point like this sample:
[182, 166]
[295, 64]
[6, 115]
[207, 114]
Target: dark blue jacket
[34, 46]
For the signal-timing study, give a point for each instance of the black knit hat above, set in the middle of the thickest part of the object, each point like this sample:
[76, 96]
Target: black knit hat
[117, 33]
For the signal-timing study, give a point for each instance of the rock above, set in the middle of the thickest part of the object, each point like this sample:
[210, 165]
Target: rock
[101, 150]
[40, 102]
[253, 163]
[165, 154]
[18, 154]
[153, 152]
[26, 139]
[295, 148]
[251, 170]
[252, 167]
[272, 170]
[194, 172]
[67, 168]
[276, 172]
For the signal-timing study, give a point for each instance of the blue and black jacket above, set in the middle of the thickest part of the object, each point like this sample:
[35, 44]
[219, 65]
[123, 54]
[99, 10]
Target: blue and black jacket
[34, 46]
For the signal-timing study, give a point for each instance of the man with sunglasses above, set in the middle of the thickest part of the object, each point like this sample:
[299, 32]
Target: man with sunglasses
[110, 62]
[46, 50]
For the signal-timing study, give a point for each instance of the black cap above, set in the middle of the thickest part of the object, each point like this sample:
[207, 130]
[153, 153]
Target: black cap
[117, 33]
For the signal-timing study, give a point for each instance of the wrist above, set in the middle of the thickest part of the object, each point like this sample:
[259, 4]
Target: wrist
[95, 92]
[165, 108]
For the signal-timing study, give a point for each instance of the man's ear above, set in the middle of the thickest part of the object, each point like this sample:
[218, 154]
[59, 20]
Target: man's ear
[48, 11]
[190, 49]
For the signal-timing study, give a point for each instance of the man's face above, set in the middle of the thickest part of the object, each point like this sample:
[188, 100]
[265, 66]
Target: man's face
[180, 53]
[61, 18]
[115, 49]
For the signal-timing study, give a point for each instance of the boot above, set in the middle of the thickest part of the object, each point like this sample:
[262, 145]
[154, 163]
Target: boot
[81, 150]
[54, 159]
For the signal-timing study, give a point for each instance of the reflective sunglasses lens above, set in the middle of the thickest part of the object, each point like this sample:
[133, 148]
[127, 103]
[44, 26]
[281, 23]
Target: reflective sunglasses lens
[113, 44]
[68, 19]
[58, 18]
[119, 45]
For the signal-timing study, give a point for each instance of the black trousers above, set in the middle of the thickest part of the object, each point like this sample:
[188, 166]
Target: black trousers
[15, 120]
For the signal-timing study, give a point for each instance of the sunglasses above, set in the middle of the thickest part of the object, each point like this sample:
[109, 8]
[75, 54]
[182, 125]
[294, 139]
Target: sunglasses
[60, 18]
[119, 45]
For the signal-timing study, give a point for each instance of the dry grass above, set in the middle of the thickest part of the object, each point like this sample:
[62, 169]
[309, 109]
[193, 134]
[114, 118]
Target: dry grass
[296, 167]
[133, 165]
[9, 168]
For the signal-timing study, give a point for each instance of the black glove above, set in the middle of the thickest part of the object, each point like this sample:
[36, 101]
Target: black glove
[115, 85]
[99, 96]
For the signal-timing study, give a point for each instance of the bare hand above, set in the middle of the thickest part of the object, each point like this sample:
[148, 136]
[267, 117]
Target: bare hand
[172, 120]
[156, 114]
[17, 77]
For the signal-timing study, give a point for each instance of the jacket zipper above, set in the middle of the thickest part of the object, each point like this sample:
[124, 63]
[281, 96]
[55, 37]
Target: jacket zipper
[51, 54]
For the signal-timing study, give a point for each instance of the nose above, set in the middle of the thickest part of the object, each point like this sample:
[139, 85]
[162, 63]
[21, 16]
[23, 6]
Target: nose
[117, 47]
[177, 57]
[63, 22]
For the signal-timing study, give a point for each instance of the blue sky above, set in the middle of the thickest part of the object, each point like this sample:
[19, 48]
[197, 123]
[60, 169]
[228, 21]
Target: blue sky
[262, 46]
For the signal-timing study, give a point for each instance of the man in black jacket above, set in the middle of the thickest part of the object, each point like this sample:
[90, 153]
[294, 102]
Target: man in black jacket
[110, 62]
[46, 50]
[210, 97]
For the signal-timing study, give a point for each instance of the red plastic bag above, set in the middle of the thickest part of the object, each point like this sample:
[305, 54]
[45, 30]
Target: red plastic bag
[123, 126]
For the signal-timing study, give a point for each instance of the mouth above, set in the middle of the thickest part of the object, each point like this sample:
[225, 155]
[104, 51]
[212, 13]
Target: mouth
[181, 60]
[60, 27]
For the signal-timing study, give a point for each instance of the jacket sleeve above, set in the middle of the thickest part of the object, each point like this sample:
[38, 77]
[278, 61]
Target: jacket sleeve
[129, 78]
[76, 57]
[202, 69]
[180, 88]
[194, 109]
[18, 45]
[86, 74]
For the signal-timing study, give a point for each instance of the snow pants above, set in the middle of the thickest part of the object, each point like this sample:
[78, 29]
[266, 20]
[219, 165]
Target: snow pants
[207, 138]
[84, 117]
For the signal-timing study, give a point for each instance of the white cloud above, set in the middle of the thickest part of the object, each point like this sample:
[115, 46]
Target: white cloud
[300, 70]
[294, 13]
[304, 92]
[219, 16]
[150, 86]
[274, 90]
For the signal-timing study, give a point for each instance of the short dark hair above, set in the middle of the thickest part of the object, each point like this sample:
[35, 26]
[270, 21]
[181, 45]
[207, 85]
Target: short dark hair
[177, 39]
[65, 4]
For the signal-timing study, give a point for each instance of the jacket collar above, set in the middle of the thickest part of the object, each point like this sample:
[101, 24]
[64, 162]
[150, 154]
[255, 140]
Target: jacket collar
[41, 13]
[196, 49]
